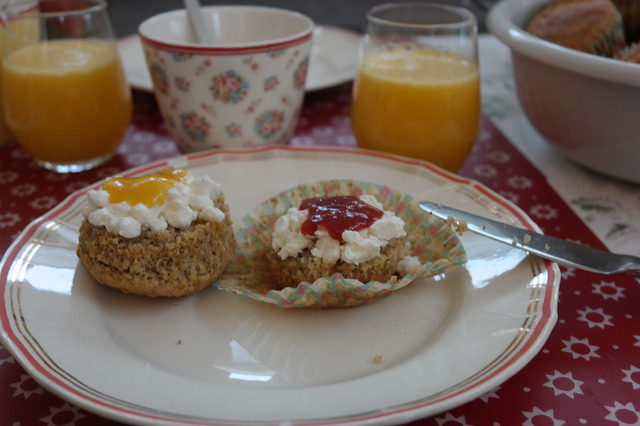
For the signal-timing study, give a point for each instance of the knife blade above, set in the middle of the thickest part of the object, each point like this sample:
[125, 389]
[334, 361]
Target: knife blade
[547, 247]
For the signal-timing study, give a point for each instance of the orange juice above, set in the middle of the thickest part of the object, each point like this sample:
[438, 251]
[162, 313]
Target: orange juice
[66, 101]
[5, 135]
[23, 32]
[418, 103]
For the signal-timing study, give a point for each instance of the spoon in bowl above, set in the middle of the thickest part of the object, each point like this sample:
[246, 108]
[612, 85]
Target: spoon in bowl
[203, 33]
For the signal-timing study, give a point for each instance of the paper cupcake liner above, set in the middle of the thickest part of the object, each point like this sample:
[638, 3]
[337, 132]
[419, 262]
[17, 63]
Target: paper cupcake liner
[630, 53]
[431, 239]
[610, 42]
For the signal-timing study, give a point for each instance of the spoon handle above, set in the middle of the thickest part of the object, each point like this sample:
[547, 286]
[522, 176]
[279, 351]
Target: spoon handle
[196, 18]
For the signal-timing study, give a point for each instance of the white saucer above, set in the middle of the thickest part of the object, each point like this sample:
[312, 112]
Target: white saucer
[334, 59]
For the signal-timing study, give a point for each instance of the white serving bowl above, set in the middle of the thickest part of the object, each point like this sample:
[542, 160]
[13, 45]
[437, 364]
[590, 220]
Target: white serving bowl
[586, 106]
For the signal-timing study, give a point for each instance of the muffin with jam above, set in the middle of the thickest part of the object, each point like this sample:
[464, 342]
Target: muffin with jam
[337, 243]
[344, 234]
[162, 235]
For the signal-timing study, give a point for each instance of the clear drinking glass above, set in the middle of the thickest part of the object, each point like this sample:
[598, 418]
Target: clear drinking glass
[417, 91]
[65, 95]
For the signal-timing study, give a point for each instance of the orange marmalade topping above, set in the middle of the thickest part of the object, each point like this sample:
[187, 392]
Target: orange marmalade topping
[150, 190]
[337, 214]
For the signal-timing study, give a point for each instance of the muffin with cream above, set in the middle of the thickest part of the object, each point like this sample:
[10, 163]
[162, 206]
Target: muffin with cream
[344, 234]
[167, 234]
[336, 244]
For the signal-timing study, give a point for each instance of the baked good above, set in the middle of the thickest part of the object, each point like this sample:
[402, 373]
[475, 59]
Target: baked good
[338, 234]
[430, 248]
[630, 54]
[167, 234]
[630, 13]
[591, 26]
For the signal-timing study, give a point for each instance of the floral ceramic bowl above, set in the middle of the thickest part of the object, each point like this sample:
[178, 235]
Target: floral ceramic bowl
[246, 90]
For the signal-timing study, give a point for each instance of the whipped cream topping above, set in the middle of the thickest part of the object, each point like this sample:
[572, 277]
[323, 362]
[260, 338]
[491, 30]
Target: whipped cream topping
[190, 199]
[357, 246]
[409, 265]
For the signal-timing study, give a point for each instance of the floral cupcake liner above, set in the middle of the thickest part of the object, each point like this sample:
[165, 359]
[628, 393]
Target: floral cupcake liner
[431, 240]
[631, 53]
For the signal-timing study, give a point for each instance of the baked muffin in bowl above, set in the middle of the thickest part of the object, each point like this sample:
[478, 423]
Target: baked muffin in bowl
[583, 104]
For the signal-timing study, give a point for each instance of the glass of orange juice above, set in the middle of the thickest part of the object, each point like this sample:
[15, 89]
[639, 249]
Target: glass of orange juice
[65, 96]
[417, 91]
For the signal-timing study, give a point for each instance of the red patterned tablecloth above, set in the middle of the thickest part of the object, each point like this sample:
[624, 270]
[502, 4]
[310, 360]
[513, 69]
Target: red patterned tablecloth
[587, 373]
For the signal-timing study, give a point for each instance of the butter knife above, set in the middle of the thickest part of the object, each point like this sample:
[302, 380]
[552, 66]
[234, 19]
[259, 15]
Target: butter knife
[547, 247]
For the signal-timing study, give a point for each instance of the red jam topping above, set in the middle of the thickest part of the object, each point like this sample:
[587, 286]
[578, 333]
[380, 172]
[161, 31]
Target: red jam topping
[338, 214]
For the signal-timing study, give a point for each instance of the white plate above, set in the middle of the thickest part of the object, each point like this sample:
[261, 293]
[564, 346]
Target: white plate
[334, 59]
[217, 358]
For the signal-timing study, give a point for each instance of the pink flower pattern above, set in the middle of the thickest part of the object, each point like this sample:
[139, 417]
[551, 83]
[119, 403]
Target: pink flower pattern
[195, 126]
[271, 83]
[233, 130]
[251, 64]
[229, 87]
[159, 77]
[203, 67]
[181, 57]
[276, 53]
[300, 74]
[268, 123]
[182, 84]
